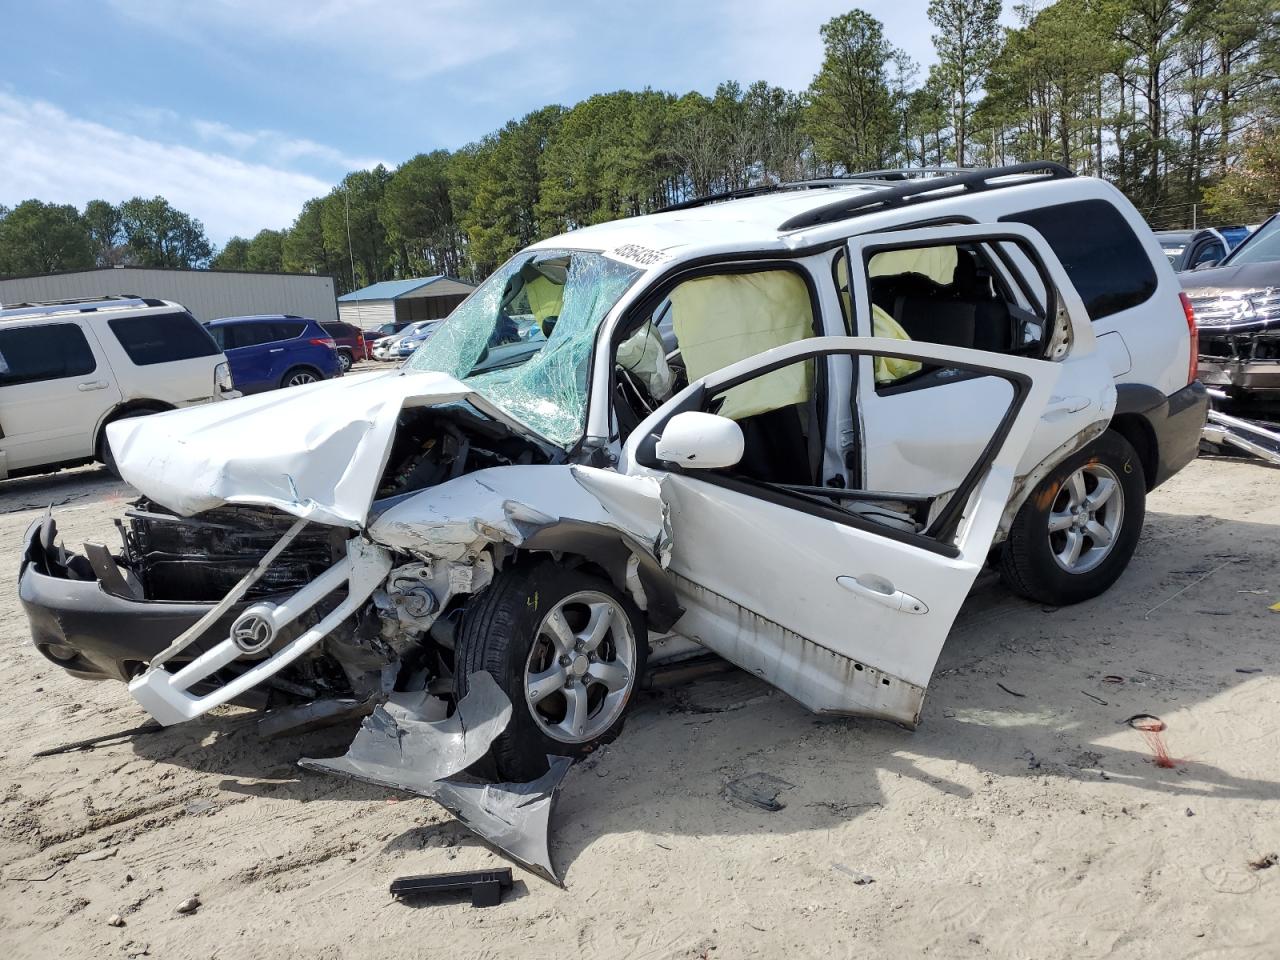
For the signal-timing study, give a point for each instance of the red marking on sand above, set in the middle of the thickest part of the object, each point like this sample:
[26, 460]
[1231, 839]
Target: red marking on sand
[1152, 730]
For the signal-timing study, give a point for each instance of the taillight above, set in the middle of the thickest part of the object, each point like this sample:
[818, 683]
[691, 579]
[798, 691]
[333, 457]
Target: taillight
[1193, 333]
[324, 342]
[222, 377]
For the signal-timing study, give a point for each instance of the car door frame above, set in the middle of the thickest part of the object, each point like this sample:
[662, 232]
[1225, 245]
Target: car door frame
[1086, 388]
[826, 673]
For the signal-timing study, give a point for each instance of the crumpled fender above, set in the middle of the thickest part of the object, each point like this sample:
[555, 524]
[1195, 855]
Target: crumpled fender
[617, 521]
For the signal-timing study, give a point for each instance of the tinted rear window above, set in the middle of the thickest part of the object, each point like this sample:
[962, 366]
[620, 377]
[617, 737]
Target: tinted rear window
[339, 329]
[161, 338]
[1103, 257]
[287, 329]
[48, 352]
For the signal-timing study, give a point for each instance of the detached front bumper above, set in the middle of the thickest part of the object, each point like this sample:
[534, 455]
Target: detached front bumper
[90, 632]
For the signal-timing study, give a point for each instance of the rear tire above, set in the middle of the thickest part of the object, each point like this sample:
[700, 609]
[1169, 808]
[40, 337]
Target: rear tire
[300, 376]
[345, 359]
[1077, 531]
[567, 696]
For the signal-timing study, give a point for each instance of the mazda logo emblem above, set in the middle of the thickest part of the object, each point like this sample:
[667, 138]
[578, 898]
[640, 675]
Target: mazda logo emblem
[252, 633]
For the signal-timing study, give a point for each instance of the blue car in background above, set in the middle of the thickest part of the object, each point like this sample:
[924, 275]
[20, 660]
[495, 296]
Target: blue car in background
[277, 350]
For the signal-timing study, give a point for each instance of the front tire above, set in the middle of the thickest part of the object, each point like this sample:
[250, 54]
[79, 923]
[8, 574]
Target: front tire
[1077, 531]
[567, 647]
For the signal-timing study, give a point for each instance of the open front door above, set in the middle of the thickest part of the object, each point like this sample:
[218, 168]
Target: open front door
[840, 597]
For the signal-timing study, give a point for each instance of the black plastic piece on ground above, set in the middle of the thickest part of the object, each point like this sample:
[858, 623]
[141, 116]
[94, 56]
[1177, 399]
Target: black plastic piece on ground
[485, 886]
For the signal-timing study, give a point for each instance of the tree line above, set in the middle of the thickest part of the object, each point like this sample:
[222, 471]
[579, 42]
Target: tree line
[1177, 102]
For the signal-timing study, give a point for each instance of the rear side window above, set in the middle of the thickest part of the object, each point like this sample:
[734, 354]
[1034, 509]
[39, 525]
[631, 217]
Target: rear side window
[1103, 257]
[244, 334]
[161, 338]
[339, 329]
[287, 329]
[50, 352]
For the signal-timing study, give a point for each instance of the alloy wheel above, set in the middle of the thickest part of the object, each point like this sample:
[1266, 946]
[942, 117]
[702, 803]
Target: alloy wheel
[1085, 518]
[581, 669]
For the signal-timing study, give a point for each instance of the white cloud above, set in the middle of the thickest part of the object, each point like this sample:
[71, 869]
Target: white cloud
[50, 155]
[404, 39]
[277, 148]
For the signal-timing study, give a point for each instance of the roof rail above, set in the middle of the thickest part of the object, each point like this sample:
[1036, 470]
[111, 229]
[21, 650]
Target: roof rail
[920, 191]
[727, 195]
[904, 173]
[37, 308]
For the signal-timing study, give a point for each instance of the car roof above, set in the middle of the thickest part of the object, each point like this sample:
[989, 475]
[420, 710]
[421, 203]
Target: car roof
[112, 305]
[776, 221]
[228, 321]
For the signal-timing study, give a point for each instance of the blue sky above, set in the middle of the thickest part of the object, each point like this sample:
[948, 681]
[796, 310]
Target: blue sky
[239, 110]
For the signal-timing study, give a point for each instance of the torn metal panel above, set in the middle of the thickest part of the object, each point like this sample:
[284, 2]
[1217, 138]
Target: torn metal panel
[513, 817]
[316, 452]
[403, 746]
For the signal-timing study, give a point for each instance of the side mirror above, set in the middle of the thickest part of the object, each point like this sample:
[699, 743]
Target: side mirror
[700, 441]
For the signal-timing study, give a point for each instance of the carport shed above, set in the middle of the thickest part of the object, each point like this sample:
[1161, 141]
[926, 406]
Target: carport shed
[403, 301]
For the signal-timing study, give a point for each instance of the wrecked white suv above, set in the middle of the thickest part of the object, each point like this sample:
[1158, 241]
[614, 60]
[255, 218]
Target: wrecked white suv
[789, 429]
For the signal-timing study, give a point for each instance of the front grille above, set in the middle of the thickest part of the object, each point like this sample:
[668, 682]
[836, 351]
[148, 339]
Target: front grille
[201, 558]
[1250, 309]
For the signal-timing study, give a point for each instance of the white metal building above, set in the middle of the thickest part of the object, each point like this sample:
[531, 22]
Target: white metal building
[403, 301]
[208, 294]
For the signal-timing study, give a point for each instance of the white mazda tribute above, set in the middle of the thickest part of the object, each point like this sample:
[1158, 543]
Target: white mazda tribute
[789, 428]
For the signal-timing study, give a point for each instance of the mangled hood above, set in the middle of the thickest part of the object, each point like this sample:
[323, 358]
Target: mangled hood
[316, 451]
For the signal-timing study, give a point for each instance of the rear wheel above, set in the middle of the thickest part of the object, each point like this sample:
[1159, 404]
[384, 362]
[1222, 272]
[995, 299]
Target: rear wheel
[344, 358]
[1077, 531]
[567, 648]
[299, 376]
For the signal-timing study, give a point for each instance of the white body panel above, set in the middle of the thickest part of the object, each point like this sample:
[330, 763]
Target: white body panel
[809, 604]
[50, 421]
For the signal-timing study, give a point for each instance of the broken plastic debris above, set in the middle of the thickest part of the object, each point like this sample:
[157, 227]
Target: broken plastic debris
[758, 789]
[398, 746]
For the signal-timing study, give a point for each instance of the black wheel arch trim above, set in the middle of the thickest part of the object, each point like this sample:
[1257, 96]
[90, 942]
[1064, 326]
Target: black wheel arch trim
[612, 550]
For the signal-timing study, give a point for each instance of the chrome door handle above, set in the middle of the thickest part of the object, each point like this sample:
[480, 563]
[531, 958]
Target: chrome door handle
[882, 591]
[276, 350]
[92, 385]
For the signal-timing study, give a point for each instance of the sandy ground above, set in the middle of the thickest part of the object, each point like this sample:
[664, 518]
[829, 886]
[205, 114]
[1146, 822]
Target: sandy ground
[1021, 823]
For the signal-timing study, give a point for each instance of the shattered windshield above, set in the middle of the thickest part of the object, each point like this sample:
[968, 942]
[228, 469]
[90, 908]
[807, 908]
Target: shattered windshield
[523, 340]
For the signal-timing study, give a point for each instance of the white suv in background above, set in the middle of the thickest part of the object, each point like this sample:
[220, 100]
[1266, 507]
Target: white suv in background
[70, 367]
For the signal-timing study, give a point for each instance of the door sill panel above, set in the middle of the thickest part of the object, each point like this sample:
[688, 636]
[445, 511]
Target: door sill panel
[818, 678]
